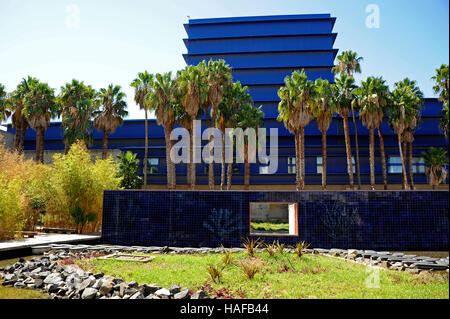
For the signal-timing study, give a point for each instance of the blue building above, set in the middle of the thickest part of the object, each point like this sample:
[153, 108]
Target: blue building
[261, 51]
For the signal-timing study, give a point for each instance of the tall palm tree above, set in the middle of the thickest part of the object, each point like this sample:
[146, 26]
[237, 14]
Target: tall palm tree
[408, 137]
[235, 97]
[39, 107]
[18, 119]
[441, 88]
[435, 158]
[349, 63]
[295, 112]
[189, 83]
[161, 100]
[322, 110]
[402, 115]
[218, 77]
[77, 102]
[373, 98]
[343, 96]
[248, 117]
[4, 108]
[112, 111]
[142, 85]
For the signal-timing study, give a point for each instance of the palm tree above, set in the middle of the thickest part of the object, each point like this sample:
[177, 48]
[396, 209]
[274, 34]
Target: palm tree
[248, 117]
[349, 63]
[372, 99]
[142, 85]
[441, 88]
[343, 96]
[18, 119]
[234, 98]
[39, 107]
[408, 137]
[435, 158]
[295, 112]
[112, 111]
[189, 83]
[77, 102]
[4, 109]
[322, 110]
[161, 100]
[402, 115]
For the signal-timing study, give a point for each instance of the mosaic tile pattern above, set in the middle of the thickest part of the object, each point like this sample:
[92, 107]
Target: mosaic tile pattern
[378, 220]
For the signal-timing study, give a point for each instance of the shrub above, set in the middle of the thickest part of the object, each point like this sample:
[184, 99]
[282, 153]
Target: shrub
[250, 269]
[77, 187]
[300, 247]
[251, 245]
[280, 247]
[270, 248]
[227, 258]
[214, 272]
[128, 170]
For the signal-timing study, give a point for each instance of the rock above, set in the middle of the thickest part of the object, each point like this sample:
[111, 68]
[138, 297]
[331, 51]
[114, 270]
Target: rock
[163, 292]
[412, 270]
[174, 289]
[38, 283]
[200, 294]
[85, 284]
[150, 289]
[152, 296]
[106, 287]
[89, 293]
[19, 284]
[53, 278]
[427, 265]
[97, 284]
[10, 277]
[137, 295]
[183, 294]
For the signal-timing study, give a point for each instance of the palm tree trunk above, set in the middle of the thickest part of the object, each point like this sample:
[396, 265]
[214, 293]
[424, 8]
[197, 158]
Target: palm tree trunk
[411, 168]
[222, 175]
[405, 157]
[297, 160]
[22, 137]
[383, 157]
[247, 166]
[229, 173]
[169, 164]
[146, 148]
[188, 165]
[211, 181]
[358, 174]
[349, 151]
[105, 147]
[405, 180]
[17, 138]
[39, 138]
[302, 157]
[192, 163]
[324, 160]
[372, 158]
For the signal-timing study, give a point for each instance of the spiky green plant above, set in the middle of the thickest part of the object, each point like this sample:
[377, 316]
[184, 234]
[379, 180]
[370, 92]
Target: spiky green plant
[300, 248]
[251, 245]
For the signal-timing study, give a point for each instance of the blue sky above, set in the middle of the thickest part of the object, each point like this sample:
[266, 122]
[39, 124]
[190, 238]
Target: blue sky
[114, 40]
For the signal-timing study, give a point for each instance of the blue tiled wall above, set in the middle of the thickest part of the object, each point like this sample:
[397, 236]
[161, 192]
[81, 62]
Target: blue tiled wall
[378, 220]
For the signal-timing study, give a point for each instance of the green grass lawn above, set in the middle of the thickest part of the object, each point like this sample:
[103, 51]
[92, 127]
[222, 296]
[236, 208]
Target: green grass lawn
[15, 293]
[270, 227]
[315, 276]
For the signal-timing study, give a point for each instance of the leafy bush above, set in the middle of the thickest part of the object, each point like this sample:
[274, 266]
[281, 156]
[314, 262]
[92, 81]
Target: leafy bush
[128, 169]
[77, 186]
[270, 248]
[227, 258]
[300, 247]
[251, 245]
[250, 269]
[214, 272]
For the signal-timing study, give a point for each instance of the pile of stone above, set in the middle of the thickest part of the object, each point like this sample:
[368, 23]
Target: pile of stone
[395, 261]
[71, 282]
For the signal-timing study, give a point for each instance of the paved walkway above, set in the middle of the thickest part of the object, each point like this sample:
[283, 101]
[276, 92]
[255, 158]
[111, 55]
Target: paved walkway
[45, 239]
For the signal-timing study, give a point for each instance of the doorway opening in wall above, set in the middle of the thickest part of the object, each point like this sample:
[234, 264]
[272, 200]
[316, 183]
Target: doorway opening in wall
[274, 219]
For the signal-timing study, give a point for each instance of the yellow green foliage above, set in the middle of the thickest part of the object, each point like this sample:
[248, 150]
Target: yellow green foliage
[76, 181]
[30, 191]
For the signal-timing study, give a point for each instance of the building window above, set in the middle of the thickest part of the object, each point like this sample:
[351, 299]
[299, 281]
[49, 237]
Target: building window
[152, 165]
[394, 165]
[264, 161]
[319, 164]
[418, 165]
[291, 165]
[274, 219]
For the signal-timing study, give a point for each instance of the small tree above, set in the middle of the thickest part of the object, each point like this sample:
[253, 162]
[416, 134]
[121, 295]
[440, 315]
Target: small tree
[129, 170]
[435, 158]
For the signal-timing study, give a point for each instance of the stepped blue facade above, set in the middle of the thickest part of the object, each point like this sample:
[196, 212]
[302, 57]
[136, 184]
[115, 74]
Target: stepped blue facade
[261, 51]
